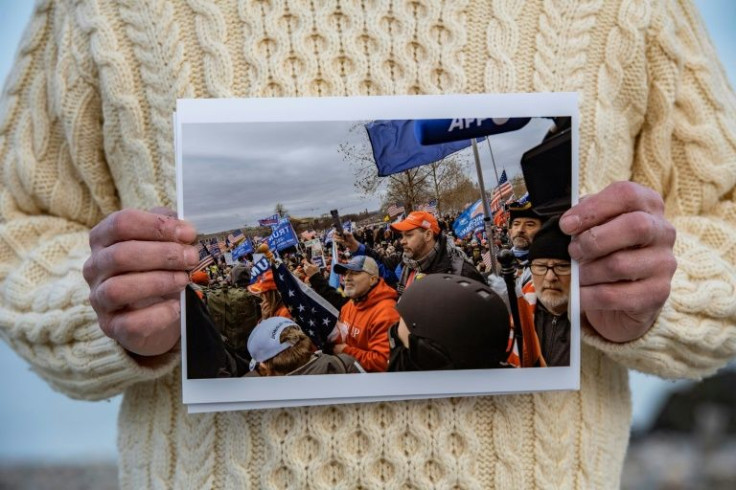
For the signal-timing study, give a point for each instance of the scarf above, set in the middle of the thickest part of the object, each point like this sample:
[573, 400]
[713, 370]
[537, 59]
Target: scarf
[520, 254]
[423, 264]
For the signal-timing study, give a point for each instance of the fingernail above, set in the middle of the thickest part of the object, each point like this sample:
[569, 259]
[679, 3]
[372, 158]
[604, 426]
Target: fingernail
[569, 223]
[191, 256]
[184, 233]
[575, 251]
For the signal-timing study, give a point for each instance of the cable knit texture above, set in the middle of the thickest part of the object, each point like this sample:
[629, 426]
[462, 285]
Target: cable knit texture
[85, 129]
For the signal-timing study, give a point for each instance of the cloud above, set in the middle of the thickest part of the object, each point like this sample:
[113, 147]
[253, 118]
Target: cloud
[236, 173]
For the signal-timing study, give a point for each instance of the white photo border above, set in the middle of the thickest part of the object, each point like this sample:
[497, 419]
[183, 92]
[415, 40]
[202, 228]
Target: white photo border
[253, 393]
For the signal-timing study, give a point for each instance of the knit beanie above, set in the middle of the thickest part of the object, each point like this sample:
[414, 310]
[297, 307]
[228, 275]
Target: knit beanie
[550, 242]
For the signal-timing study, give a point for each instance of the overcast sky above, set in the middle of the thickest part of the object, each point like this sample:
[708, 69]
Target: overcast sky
[236, 173]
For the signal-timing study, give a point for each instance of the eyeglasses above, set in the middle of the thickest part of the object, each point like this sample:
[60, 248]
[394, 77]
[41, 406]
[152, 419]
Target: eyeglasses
[558, 269]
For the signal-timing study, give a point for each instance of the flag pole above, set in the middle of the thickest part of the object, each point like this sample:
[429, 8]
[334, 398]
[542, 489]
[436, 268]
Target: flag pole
[493, 160]
[486, 208]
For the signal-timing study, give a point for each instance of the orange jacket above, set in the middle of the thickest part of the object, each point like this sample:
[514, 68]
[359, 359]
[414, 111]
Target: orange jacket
[284, 312]
[364, 325]
[527, 302]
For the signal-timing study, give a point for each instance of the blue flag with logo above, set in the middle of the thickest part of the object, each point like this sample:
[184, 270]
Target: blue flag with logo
[470, 220]
[259, 268]
[315, 315]
[434, 131]
[243, 249]
[395, 147]
[282, 236]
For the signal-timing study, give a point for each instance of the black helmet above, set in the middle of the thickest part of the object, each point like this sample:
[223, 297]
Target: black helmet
[455, 323]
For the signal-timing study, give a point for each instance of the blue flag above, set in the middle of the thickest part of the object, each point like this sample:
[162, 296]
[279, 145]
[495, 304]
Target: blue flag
[259, 268]
[243, 249]
[434, 131]
[270, 221]
[395, 147]
[470, 220]
[334, 280]
[309, 310]
[282, 236]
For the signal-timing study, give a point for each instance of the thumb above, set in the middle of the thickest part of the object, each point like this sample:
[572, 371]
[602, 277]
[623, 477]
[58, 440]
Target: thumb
[164, 211]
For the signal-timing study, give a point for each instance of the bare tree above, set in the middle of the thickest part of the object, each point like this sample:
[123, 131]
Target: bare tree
[445, 175]
[280, 209]
[519, 185]
[409, 188]
[360, 157]
[464, 192]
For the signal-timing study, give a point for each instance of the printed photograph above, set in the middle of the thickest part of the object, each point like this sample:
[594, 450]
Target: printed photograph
[354, 247]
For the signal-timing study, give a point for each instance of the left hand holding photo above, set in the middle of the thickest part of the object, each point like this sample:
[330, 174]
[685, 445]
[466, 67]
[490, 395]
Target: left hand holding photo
[624, 246]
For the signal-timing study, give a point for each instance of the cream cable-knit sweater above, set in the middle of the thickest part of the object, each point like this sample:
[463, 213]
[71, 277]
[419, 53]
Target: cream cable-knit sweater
[85, 129]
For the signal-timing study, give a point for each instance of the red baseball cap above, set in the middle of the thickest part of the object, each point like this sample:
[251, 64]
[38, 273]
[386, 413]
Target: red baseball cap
[418, 219]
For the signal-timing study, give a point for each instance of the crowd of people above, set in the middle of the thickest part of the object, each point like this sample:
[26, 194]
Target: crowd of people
[410, 296]
[91, 282]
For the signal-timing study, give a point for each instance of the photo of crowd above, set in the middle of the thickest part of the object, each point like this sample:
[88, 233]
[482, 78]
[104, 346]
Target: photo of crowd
[450, 277]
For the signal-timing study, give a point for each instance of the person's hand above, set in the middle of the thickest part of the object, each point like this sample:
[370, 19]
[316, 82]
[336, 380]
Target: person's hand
[348, 240]
[136, 271]
[338, 348]
[624, 246]
[309, 268]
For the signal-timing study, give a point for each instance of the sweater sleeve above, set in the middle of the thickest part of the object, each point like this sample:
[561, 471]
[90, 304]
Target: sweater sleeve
[687, 151]
[55, 186]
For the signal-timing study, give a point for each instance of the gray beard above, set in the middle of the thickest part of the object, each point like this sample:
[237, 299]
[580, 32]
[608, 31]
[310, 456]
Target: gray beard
[553, 304]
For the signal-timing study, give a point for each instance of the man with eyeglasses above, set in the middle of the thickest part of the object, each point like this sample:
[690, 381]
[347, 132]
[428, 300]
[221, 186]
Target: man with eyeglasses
[544, 301]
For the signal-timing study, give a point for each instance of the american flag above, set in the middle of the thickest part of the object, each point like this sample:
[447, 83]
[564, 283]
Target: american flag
[395, 209]
[205, 258]
[501, 193]
[269, 221]
[486, 256]
[217, 247]
[310, 311]
[235, 237]
[430, 207]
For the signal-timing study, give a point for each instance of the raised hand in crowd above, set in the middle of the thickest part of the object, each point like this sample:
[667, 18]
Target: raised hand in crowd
[309, 268]
[136, 271]
[624, 246]
[348, 240]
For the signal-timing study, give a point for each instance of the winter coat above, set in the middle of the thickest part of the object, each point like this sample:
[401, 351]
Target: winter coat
[364, 325]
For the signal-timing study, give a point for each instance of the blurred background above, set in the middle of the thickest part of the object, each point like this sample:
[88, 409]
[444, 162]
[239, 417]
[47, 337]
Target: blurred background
[683, 433]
